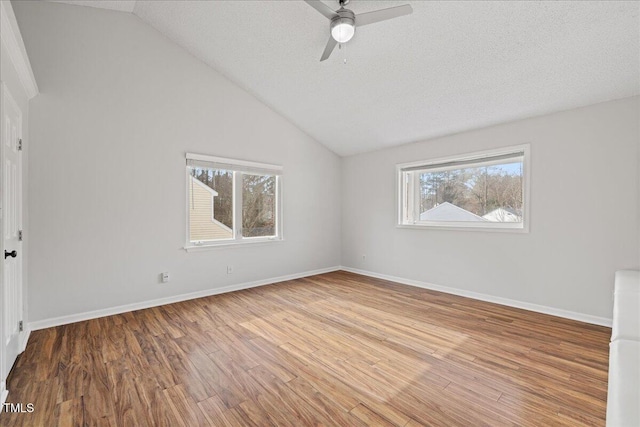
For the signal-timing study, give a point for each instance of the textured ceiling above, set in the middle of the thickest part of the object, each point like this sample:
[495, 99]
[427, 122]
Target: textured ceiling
[121, 5]
[448, 67]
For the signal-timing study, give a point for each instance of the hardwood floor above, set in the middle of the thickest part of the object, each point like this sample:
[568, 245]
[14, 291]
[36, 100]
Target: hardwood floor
[336, 349]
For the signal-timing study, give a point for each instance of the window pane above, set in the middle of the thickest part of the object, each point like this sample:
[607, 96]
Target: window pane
[491, 193]
[210, 204]
[258, 205]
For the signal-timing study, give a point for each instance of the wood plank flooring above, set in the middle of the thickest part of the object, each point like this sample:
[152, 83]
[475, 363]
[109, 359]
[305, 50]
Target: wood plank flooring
[336, 349]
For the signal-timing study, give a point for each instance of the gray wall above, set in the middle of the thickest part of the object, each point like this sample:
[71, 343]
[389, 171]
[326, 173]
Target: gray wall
[119, 107]
[584, 213]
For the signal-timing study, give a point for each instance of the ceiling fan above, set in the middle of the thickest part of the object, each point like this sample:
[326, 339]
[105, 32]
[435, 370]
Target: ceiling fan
[344, 22]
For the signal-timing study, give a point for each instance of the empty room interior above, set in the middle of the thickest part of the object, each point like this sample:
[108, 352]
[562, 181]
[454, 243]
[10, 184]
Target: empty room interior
[304, 213]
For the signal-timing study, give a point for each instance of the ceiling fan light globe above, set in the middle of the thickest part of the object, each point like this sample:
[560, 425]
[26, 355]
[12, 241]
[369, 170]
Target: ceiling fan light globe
[342, 30]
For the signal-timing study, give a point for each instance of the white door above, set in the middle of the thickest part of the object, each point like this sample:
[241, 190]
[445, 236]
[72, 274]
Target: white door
[11, 210]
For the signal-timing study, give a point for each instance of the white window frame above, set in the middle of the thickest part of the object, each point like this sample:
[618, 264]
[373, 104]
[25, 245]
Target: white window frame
[238, 167]
[522, 227]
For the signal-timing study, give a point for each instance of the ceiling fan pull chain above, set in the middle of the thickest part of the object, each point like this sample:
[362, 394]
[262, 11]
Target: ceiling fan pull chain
[344, 59]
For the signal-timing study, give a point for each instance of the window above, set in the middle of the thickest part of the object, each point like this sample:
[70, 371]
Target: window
[232, 201]
[485, 190]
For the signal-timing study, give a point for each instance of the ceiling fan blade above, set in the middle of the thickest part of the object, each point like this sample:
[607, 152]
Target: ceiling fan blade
[322, 8]
[331, 44]
[382, 15]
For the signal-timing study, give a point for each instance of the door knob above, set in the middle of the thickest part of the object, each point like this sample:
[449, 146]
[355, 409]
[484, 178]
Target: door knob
[11, 254]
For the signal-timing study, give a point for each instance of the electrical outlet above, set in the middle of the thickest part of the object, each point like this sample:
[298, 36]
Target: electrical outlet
[229, 269]
[165, 277]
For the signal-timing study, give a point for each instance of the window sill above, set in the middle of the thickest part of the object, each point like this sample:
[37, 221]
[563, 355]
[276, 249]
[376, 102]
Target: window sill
[232, 244]
[518, 230]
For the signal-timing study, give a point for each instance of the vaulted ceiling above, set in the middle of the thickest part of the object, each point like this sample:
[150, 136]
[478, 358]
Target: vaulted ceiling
[449, 67]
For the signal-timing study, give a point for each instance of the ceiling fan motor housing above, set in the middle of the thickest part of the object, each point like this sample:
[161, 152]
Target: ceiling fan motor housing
[343, 26]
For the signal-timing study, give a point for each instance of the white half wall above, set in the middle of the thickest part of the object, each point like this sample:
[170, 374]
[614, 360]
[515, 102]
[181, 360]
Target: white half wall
[584, 213]
[119, 106]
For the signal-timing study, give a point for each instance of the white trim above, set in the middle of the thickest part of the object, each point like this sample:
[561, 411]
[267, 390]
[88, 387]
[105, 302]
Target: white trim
[213, 159]
[456, 226]
[12, 41]
[233, 243]
[587, 318]
[3, 394]
[72, 318]
[476, 155]
[24, 338]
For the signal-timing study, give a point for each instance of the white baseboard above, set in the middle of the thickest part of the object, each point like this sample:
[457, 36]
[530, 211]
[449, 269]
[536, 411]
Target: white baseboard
[72, 318]
[3, 394]
[587, 318]
[63, 320]
[24, 338]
